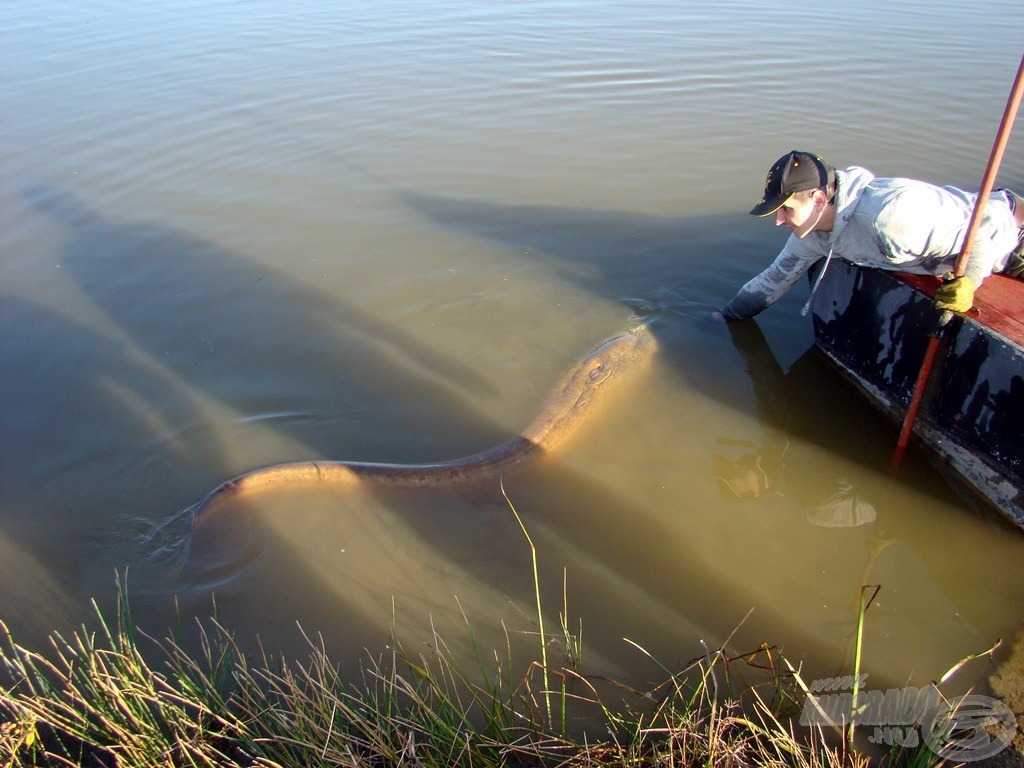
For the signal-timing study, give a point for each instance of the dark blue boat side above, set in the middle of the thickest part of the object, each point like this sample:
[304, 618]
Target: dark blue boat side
[875, 327]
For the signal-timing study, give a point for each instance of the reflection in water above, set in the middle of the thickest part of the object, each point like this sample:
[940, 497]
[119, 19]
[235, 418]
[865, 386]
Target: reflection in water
[833, 471]
[827, 497]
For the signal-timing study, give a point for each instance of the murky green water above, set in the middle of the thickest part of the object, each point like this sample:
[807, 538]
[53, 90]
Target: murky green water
[238, 234]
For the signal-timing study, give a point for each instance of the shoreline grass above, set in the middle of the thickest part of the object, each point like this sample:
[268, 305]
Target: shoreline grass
[96, 699]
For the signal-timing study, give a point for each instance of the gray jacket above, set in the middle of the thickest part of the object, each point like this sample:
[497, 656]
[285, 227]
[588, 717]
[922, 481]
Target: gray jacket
[895, 224]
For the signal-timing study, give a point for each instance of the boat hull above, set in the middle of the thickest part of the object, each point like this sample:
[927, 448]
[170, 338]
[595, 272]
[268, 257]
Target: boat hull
[875, 327]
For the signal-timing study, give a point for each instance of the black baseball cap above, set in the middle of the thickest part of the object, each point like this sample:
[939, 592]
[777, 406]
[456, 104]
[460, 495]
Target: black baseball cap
[793, 172]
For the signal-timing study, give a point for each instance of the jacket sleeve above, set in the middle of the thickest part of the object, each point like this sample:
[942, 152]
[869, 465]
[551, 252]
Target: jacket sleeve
[988, 252]
[761, 291]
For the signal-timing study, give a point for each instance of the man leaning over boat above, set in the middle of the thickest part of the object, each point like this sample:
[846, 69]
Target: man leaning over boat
[894, 224]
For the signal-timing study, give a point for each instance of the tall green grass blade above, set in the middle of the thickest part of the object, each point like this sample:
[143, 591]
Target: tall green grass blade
[536, 591]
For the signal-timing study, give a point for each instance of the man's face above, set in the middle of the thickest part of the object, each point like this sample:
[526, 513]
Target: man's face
[799, 213]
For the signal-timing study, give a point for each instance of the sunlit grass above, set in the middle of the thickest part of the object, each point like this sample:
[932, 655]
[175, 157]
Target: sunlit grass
[95, 699]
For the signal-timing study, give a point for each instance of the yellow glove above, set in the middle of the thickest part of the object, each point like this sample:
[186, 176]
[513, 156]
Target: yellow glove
[956, 295]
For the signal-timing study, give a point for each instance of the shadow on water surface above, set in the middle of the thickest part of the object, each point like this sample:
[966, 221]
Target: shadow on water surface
[657, 265]
[194, 326]
[674, 265]
[107, 429]
[76, 445]
[435, 550]
[226, 327]
[822, 448]
[618, 255]
[245, 314]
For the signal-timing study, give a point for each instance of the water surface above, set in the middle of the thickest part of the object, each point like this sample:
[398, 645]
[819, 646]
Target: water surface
[238, 234]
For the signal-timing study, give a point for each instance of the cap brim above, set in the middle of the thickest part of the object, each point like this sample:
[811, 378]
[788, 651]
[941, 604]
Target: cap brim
[768, 207]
